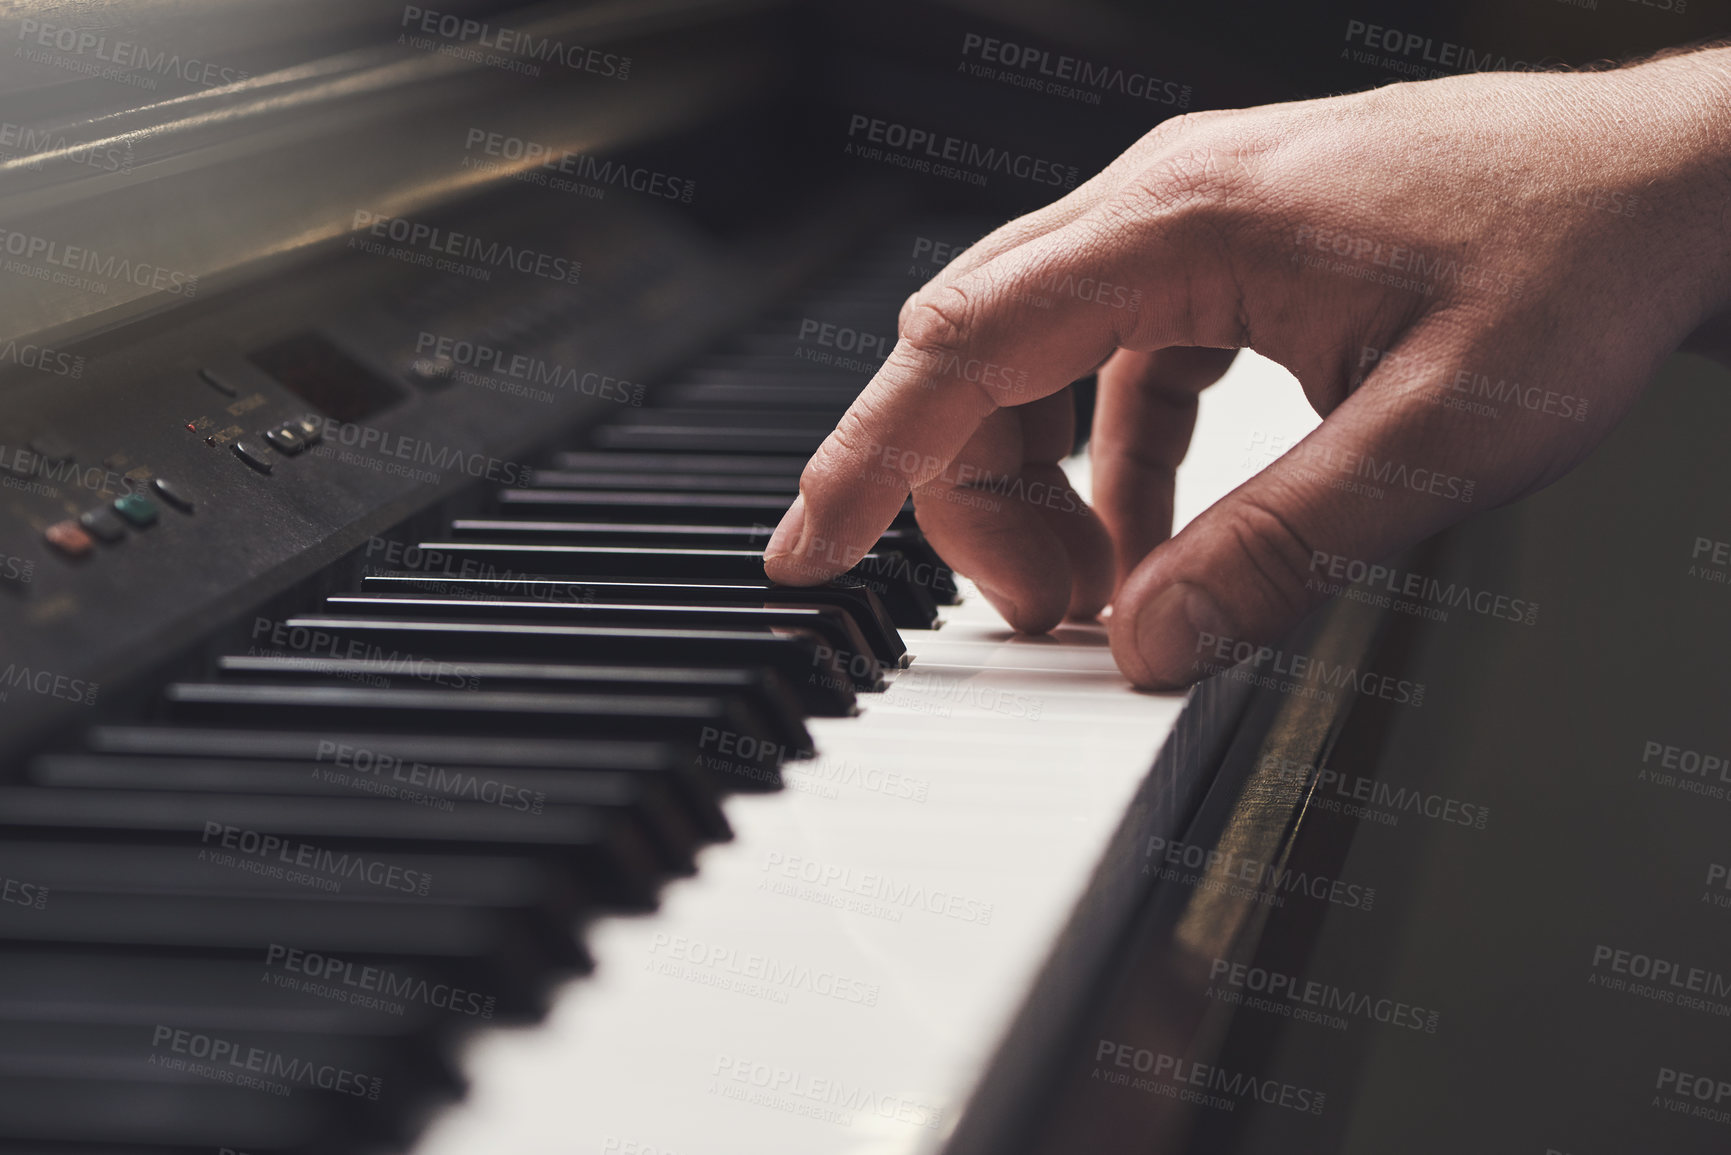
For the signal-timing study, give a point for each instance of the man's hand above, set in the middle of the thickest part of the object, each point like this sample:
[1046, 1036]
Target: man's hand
[1471, 278]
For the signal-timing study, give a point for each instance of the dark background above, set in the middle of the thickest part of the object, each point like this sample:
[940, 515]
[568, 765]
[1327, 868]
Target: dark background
[900, 60]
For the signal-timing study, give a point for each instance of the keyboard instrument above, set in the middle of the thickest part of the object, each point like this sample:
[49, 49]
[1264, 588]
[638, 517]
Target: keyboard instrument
[483, 736]
[403, 750]
[380, 773]
[411, 797]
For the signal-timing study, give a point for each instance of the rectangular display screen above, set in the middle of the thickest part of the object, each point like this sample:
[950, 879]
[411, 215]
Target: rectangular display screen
[314, 369]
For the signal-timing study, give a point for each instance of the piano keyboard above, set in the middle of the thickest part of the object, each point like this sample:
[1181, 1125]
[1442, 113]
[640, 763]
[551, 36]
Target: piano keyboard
[269, 912]
[837, 977]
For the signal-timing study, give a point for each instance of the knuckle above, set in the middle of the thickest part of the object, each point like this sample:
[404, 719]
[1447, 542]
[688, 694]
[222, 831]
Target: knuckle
[1192, 180]
[1275, 555]
[941, 318]
[1189, 163]
[1098, 238]
[1189, 126]
[906, 308]
[1172, 128]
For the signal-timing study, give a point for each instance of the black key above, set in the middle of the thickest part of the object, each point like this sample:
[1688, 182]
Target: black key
[775, 365]
[685, 430]
[675, 718]
[687, 433]
[685, 481]
[684, 720]
[777, 465]
[275, 990]
[362, 833]
[793, 375]
[287, 994]
[822, 397]
[862, 604]
[491, 883]
[799, 657]
[654, 506]
[537, 908]
[659, 761]
[777, 347]
[912, 590]
[372, 1088]
[123, 1111]
[911, 543]
[616, 532]
[765, 691]
[351, 773]
[481, 950]
[906, 589]
[69, 1043]
[834, 625]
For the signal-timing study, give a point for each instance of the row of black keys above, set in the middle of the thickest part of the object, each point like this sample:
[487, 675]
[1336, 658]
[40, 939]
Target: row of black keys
[247, 920]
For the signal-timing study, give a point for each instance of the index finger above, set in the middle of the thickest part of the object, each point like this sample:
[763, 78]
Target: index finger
[1018, 328]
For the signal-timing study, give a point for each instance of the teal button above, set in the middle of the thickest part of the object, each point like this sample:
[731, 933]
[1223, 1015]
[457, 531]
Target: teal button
[136, 508]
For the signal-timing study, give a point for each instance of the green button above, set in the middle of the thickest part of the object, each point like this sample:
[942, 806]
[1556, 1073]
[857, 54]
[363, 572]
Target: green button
[136, 508]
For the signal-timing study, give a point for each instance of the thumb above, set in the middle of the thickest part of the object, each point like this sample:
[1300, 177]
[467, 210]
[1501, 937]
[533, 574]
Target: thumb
[1385, 470]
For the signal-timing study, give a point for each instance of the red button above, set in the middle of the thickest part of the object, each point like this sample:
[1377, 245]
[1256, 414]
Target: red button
[69, 538]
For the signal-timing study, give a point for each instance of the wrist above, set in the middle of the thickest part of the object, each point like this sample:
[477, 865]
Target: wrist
[1684, 114]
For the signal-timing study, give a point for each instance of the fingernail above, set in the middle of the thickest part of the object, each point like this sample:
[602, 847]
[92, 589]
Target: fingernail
[1168, 630]
[787, 535]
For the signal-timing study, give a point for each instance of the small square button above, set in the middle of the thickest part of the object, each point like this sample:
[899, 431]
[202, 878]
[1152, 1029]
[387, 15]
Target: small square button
[101, 524]
[69, 539]
[285, 440]
[253, 456]
[172, 493]
[51, 448]
[216, 381]
[136, 508]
